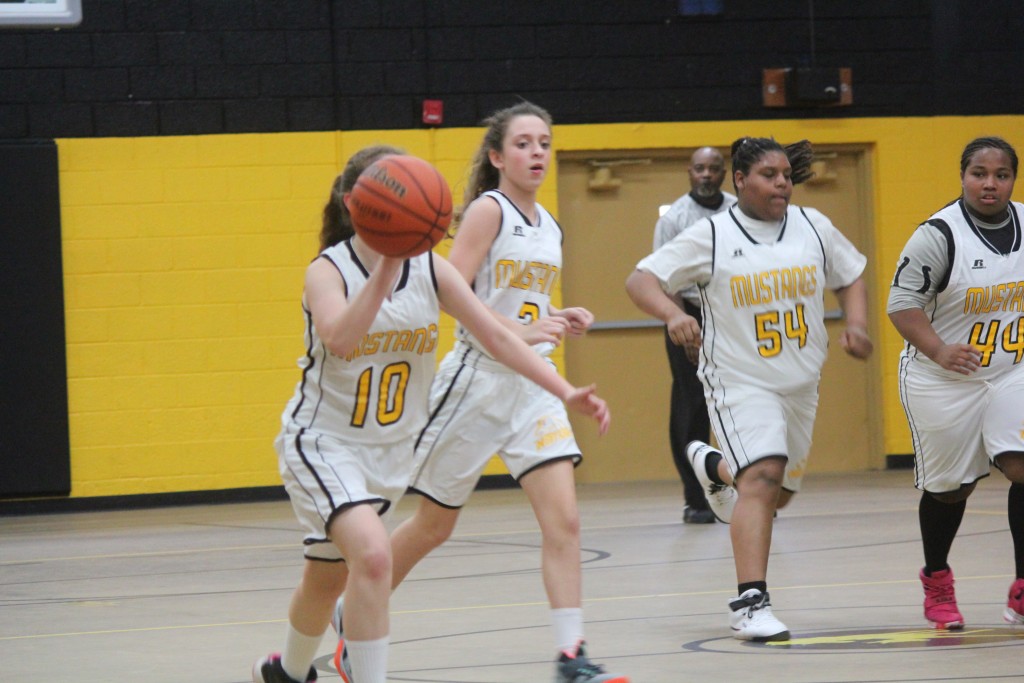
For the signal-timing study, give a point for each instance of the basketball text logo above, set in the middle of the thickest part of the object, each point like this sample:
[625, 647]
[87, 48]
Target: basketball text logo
[419, 341]
[381, 175]
[532, 276]
[1006, 296]
[778, 284]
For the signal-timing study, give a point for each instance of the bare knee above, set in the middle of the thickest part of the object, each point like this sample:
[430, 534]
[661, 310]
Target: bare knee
[1012, 466]
[763, 478]
[563, 527]
[373, 564]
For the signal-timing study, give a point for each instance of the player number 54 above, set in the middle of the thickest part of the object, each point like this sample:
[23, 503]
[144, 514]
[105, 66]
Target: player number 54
[770, 332]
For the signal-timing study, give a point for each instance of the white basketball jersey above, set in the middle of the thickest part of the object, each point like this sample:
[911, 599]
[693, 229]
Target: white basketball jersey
[521, 268]
[982, 303]
[378, 392]
[763, 307]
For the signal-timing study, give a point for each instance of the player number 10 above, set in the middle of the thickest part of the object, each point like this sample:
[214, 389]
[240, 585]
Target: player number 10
[394, 378]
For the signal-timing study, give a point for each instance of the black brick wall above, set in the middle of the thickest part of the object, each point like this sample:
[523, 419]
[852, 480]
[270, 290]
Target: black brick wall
[153, 67]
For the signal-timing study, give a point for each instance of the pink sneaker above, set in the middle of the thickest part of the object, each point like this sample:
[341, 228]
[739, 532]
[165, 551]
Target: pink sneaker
[940, 600]
[1014, 613]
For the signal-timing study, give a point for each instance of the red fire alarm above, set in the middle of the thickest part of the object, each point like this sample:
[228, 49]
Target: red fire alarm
[433, 112]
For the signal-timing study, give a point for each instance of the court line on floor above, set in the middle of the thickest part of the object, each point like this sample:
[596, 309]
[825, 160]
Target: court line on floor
[498, 606]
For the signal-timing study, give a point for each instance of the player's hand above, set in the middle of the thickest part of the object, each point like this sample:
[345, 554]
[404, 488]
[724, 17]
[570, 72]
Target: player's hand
[551, 330]
[961, 358]
[683, 329]
[585, 400]
[579, 319]
[692, 353]
[856, 342]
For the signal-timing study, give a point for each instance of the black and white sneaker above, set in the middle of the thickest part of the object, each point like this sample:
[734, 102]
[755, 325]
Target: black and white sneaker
[751, 618]
[721, 497]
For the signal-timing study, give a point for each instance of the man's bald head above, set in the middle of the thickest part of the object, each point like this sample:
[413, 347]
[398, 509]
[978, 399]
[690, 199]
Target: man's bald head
[707, 172]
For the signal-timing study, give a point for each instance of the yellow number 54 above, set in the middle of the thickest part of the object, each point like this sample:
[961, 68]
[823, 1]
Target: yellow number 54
[770, 336]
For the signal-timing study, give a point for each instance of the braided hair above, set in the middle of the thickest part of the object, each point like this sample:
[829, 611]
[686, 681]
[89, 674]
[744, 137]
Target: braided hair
[748, 151]
[337, 222]
[991, 142]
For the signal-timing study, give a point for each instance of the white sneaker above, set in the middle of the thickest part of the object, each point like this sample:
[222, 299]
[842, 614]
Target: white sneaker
[721, 497]
[752, 618]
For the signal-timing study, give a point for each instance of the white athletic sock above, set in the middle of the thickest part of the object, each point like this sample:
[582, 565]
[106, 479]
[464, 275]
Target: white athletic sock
[368, 659]
[568, 623]
[299, 651]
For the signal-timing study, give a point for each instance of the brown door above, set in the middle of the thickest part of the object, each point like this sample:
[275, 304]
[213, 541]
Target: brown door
[608, 204]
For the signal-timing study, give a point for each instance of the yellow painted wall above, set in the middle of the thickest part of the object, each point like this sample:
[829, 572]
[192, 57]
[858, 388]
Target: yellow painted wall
[183, 263]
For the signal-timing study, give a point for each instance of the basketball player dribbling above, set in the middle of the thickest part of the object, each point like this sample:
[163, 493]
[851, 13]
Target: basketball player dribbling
[510, 248]
[761, 268]
[345, 448]
[958, 300]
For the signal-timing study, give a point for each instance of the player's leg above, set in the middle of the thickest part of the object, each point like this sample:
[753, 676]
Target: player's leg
[324, 573]
[751, 531]
[362, 538]
[429, 526]
[466, 427]
[551, 489]
[944, 417]
[308, 615]
[751, 616]
[939, 517]
[751, 426]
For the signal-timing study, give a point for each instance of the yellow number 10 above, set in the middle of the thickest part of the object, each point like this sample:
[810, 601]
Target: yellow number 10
[390, 396]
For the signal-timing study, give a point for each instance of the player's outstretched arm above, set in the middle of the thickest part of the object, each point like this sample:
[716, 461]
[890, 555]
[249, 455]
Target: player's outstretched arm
[341, 323]
[458, 300]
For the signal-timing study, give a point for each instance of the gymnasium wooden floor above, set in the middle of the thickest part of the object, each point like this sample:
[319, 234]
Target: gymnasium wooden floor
[197, 593]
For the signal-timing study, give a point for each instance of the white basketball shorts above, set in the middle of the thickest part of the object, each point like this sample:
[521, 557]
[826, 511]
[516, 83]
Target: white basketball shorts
[752, 423]
[479, 407]
[324, 475]
[959, 425]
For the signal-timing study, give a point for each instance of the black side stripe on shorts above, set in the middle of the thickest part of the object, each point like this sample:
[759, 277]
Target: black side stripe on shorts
[309, 467]
[914, 434]
[443, 400]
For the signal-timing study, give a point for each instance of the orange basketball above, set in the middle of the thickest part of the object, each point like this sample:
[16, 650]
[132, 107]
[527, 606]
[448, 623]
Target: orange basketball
[401, 206]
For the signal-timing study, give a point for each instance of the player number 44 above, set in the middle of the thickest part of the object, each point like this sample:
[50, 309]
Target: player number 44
[984, 339]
